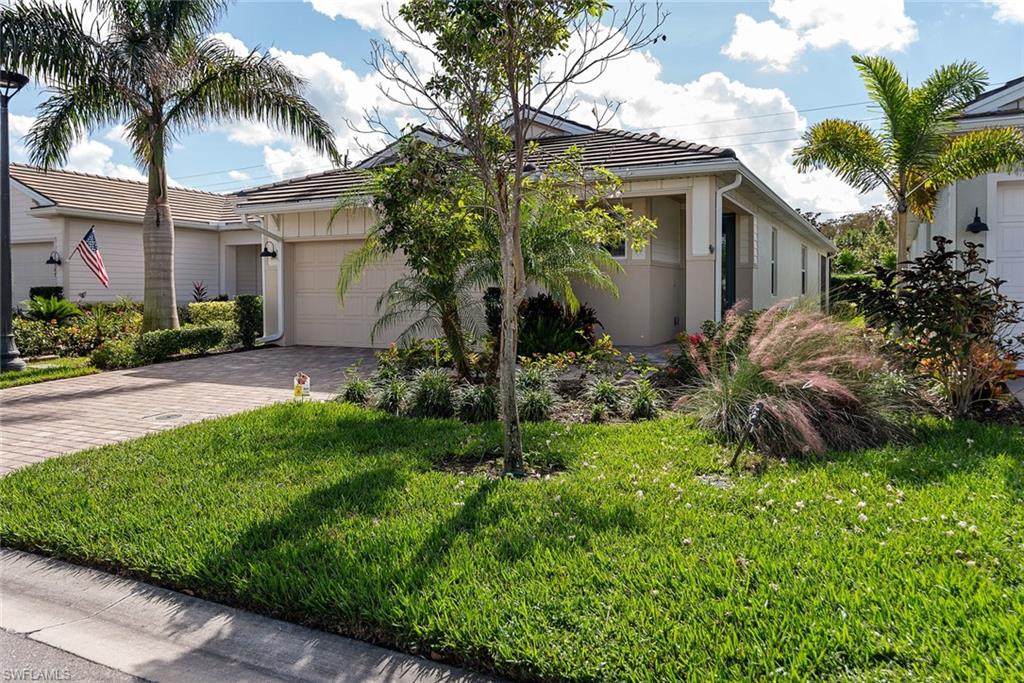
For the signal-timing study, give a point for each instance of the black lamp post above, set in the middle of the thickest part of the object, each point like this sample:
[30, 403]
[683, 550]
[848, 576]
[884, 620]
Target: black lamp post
[10, 359]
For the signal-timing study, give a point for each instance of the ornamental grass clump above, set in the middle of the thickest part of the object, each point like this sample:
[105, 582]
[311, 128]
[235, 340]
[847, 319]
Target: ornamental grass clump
[478, 403]
[432, 394]
[606, 392]
[821, 383]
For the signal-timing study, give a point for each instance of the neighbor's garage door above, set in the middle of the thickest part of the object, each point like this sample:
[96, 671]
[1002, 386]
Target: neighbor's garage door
[318, 318]
[1009, 239]
[29, 269]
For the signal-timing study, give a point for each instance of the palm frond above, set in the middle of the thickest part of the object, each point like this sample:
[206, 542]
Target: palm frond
[67, 115]
[258, 87]
[979, 152]
[887, 88]
[848, 149]
[47, 41]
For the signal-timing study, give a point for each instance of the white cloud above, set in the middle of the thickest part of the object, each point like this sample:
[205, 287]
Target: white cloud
[236, 45]
[1008, 11]
[239, 175]
[118, 134]
[717, 110]
[295, 161]
[369, 14]
[869, 26]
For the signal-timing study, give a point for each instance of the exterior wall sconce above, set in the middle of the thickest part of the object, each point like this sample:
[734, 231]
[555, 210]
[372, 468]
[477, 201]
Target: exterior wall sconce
[268, 250]
[54, 259]
[976, 225]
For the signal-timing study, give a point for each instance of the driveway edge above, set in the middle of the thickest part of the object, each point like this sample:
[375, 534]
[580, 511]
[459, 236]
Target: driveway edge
[161, 635]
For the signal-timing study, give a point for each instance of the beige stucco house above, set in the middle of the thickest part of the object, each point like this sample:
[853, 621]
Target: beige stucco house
[52, 210]
[996, 198]
[723, 236]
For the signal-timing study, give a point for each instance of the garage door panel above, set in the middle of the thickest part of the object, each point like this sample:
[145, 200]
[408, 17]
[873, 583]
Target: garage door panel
[318, 317]
[1009, 239]
[29, 269]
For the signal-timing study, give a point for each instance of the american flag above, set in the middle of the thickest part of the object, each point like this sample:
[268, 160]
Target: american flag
[89, 250]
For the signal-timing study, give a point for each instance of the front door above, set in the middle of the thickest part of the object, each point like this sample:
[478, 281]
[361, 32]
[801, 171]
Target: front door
[728, 261]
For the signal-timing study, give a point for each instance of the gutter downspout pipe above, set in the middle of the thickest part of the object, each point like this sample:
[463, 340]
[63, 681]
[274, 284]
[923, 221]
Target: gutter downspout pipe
[275, 336]
[718, 242]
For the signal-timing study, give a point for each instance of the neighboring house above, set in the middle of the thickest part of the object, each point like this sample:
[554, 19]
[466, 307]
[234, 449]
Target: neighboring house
[52, 210]
[723, 236]
[997, 198]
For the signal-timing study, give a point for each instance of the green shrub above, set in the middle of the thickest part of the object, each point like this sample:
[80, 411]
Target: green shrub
[534, 378]
[50, 292]
[605, 391]
[249, 319]
[598, 413]
[536, 405]
[432, 394]
[159, 345]
[208, 312]
[116, 354]
[34, 337]
[644, 401]
[357, 389]
[945, 316]
[390, 395]
[545, 326]
[479, 403]
[52, 309]
[414, 355]
[819, 380]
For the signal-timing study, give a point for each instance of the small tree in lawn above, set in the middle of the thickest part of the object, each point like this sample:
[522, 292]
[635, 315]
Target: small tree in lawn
[496, 64]
[154, 68]
[914, 153]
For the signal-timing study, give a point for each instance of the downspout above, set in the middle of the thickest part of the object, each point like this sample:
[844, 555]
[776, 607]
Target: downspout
[718, 242]
[275, 336]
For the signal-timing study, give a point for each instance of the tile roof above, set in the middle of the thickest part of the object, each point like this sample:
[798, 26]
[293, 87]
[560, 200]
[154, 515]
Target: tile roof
[315, 187]
[619, 149]
[84, 191]
[614, 149]
[995, 91]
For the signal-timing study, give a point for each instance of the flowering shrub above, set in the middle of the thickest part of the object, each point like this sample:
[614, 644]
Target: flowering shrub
[80, 335]
[821, 384]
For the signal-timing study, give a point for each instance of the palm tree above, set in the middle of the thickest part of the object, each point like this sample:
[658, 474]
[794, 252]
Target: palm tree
[915, 152]
[152, 66]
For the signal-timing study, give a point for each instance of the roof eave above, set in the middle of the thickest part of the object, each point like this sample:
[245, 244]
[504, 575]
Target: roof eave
[58, 210]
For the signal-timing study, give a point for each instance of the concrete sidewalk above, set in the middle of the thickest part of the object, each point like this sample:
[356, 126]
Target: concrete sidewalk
[161, 635]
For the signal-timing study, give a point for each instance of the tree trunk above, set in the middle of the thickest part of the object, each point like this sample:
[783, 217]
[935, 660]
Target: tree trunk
[902, 247]
[452, 329]
[512, 289]
[160, 307]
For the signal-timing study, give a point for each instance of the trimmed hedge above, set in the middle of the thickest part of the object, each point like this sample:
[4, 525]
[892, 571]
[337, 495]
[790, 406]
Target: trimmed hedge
[208, 312]
[249, 319]
[845, 285]
[49, 292]
[116, 354]
[159, 345]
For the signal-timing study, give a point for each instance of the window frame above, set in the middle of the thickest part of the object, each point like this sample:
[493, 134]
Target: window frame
[775, 262]
[803, 270]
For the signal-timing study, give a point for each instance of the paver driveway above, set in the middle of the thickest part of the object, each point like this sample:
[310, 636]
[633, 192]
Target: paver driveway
[40, 421]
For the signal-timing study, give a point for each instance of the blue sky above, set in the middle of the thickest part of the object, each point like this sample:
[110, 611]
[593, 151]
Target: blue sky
[748, 75]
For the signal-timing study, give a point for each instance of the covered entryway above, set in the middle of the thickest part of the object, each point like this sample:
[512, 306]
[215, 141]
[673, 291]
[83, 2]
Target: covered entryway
[316, 317]
[1008, 239]
[29, 269]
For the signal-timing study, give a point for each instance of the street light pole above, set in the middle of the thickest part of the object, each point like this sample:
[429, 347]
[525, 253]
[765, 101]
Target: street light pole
[10, 359]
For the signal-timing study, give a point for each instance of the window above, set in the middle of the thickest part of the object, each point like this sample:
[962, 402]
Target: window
[775, 262]
[803, 269]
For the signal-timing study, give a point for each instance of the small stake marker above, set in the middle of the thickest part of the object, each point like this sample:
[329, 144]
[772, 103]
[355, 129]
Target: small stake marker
[752, 420]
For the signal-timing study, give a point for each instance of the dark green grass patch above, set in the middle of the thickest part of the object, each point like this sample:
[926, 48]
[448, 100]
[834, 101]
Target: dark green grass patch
[46, 370]
[891, 564]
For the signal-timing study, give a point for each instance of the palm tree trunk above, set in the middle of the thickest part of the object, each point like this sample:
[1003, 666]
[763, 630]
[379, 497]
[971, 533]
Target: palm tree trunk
[452, 329]
[902, 247]
[159, 309]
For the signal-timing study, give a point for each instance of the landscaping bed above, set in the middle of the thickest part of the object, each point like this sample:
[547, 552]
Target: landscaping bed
[640, 557]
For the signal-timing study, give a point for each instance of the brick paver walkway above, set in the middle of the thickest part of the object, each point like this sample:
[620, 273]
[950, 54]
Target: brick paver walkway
[40, 421]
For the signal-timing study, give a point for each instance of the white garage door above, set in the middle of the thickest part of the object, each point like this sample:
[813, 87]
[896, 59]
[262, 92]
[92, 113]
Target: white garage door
[29, 269]
[1009, 238]
[318, 318]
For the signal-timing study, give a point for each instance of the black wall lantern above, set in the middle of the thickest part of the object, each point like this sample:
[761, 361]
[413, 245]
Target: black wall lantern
[268, 250]
[54, 259]
[976, 225]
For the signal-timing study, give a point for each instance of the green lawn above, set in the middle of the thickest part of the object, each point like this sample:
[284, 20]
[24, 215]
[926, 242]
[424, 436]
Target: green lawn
[888, 565]
[46, 370]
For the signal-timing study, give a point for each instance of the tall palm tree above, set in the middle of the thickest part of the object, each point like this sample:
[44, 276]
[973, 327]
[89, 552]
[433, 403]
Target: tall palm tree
[152, 66]
[915, 152]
